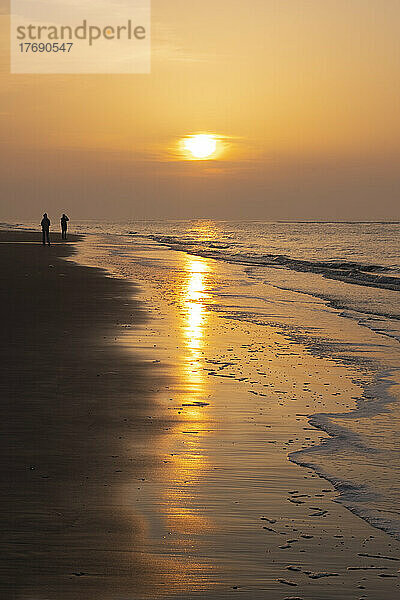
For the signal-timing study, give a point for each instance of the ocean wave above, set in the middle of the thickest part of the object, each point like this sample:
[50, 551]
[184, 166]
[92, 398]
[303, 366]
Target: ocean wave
[373, 504]
[372, 275]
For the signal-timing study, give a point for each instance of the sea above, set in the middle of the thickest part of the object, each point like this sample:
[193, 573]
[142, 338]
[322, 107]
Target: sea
[333, 286]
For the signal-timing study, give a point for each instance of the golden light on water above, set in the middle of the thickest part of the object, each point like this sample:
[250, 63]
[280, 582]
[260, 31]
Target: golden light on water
[188, 462]
[193, 301]
[194, 315]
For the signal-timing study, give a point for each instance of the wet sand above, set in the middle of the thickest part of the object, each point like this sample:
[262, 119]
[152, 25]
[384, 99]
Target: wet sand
[243, 519]
[69, 398]
[148, 456]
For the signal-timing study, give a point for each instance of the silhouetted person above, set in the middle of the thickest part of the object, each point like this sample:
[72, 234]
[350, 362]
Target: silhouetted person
[64, 226]
[46, 229]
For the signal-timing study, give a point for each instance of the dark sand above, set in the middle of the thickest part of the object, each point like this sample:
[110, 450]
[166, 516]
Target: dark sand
[69, 397]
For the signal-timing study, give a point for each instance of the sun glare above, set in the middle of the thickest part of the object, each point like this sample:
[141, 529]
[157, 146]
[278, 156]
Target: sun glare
[201, 146]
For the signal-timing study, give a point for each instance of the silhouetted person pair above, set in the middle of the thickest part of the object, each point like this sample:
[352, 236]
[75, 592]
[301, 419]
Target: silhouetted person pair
[46, 229]
[64, 226]
[45, 223]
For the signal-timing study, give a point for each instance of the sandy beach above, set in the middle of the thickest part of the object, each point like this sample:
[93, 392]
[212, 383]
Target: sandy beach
[200, 369]
[149, 438]
[70, 397]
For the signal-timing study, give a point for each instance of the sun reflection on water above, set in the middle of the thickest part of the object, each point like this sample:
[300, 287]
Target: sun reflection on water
[189, 462]
[194, 297]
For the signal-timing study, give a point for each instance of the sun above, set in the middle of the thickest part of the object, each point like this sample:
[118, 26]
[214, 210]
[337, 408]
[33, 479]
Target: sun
[201, 145]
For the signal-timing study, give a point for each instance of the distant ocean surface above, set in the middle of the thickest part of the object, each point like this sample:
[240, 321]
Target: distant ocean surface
[354, 266]
[336, 286]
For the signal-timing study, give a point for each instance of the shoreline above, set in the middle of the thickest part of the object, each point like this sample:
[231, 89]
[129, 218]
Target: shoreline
[212, 353]
[368, 275]
[183, 488]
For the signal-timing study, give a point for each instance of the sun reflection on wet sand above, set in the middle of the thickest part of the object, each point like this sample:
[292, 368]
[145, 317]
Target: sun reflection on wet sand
[176, 496]
[194, 318]
[189, 462]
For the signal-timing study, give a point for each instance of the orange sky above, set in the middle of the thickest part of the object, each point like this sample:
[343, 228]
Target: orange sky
[304, 92]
